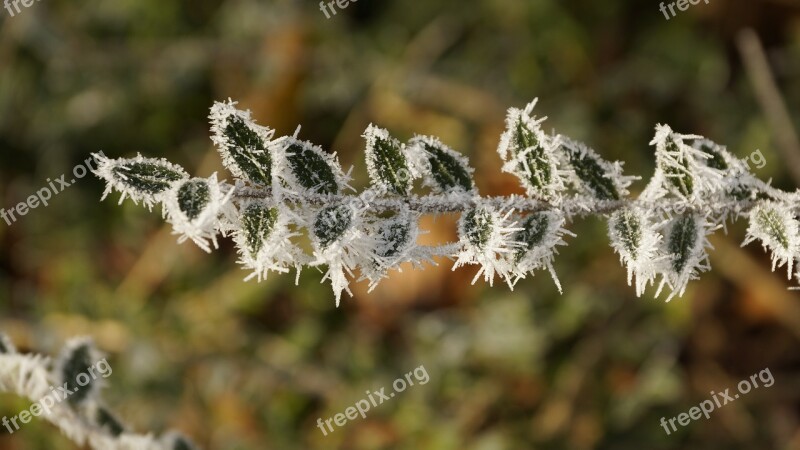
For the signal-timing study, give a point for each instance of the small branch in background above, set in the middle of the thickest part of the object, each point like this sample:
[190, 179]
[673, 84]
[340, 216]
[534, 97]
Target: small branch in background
[770, 99]
[66, 393]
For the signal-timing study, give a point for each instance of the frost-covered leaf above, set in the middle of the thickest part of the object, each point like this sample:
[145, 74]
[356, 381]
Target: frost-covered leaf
[394, 236]
[387, 162]
[682, 171]
[177, 441]
[717, 158]
[331, 223]
[486, 239]
[534, 227]
[445, 170]
[265, 241]
[682, 242]
[107, 421]
[536, 241]
[634, 236]
[529, 153]
[684, 249]
[738, 183]
[258, 223]
[776, 226]
[341, 243]
[194, 197]
[141, 179]
[244, 146]
[628, 231]
[395, 243]
[72, 368]
[594, 175]
[148, 176]
[194, 208]
[677, 169]
[477, 227]
[310, 169]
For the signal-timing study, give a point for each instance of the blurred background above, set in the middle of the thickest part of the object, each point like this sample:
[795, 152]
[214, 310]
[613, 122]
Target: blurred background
[240, 365]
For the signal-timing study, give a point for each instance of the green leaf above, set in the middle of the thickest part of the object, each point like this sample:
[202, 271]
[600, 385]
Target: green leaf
[524, 137]
[387, 165]
[105, 419]
[331, 223]
[682, 241]
[591, 173]
[477, 226]
[534, 228]
[628, 226]
[193, 197]
[536, 165]
[76, 362]
[394, 235]
[449, 170]
[258, 223]
[679, 177]
[311, 169]
[248, 151]
[146, 176]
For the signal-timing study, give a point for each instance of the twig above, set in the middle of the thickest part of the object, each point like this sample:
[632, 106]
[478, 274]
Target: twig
[770, 99]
